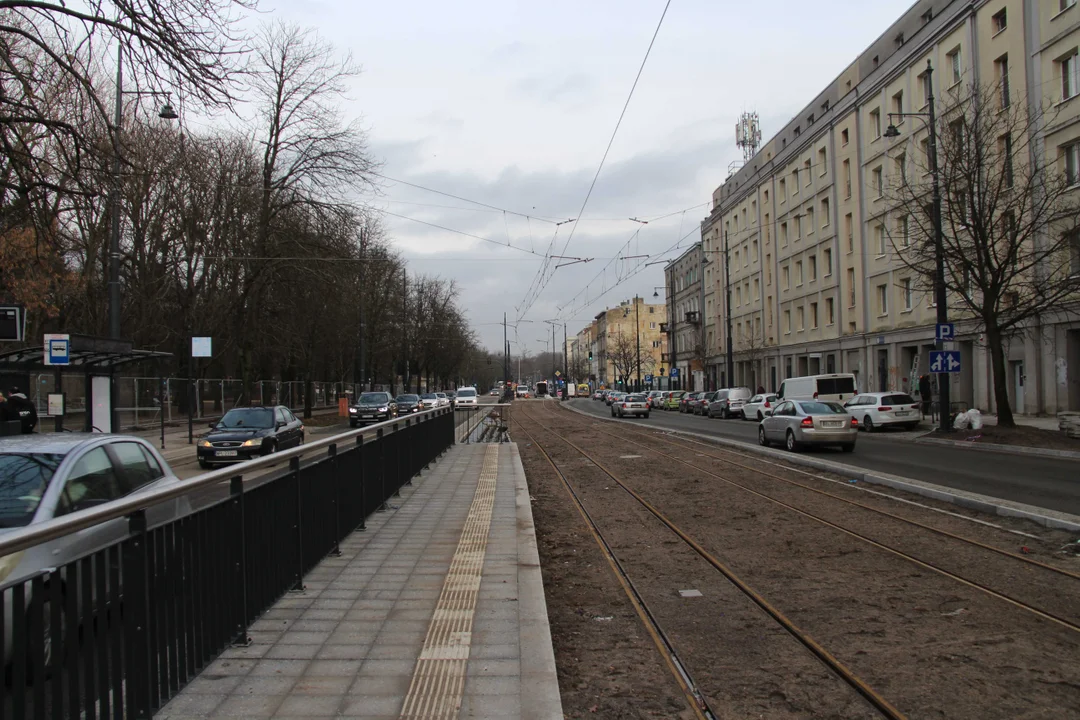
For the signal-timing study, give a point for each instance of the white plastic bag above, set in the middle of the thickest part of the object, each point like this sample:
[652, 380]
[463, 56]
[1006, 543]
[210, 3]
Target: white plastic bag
[962, 421]
[976, 418]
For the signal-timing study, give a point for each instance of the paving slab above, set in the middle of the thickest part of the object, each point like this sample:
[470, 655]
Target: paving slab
[457, 550]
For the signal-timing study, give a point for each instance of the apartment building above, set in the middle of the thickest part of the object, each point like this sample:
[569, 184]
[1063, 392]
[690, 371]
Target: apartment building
[583, 351]
[686, 328]
[634, 322]
[811, 235]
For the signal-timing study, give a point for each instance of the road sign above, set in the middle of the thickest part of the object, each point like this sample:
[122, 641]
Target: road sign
[558, 373]
[945, 361]
[674, 372]
[200, 347]
[57, 350]
[12, 323]
[945, 331]
[648, 378]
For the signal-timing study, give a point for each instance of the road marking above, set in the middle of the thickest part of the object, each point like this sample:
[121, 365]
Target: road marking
[438, 682]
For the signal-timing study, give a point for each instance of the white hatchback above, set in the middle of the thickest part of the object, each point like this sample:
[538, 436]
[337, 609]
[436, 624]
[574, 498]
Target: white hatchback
[755, 407]
[466, 397]
[882, 409]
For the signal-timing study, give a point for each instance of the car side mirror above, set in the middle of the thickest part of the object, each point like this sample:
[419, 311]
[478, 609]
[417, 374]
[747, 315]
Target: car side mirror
[768, 413]
[278, 425]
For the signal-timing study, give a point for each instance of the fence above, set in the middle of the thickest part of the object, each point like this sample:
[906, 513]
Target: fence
[482, 423]
[119, 631]
[139, 401]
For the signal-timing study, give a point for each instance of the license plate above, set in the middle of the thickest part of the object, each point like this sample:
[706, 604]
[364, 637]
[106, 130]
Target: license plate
[900, 413]
[827, 424]
[225, 453]
[368, 417]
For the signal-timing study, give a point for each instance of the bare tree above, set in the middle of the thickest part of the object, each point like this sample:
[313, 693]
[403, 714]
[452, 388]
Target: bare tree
[1010, 219]
[750, 346]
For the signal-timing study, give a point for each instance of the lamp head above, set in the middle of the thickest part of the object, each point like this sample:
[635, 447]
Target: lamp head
[167, 113]
[892, 132]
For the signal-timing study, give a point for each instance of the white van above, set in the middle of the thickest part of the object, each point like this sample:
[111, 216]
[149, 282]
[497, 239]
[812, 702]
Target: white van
[837, 386]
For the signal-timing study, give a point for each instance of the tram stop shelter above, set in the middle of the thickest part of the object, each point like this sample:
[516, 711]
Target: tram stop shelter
[95, 360]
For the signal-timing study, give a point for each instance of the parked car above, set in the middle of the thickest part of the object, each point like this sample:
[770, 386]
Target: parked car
[796, 423]
[408, 404]
[834, 386]
[372, 407]
[494, 392]
[615, 396]
[684, 403]
[673, 400]
[467, 397]
[444, 399]
[44, 476]
[598, 395]
[882, 409]
[452, 397]
[246, 433]
[522, 391]
[429, 401]
[702, 406]
[730, 402]
[651, 396]
[630, 405]
[755, 407]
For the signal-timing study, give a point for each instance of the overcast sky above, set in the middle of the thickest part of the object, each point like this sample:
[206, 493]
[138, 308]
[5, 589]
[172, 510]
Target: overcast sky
[512, 104]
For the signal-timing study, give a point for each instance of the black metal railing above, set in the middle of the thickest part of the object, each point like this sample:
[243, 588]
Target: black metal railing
[482, 423]
[118, 632]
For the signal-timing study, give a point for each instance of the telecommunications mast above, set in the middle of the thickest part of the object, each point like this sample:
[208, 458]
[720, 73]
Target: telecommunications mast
[748, 135]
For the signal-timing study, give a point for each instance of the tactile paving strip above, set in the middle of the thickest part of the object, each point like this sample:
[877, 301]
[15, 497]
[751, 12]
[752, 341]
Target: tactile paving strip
[439, 679]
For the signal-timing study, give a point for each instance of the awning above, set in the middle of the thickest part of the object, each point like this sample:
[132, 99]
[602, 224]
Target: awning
[86, 353]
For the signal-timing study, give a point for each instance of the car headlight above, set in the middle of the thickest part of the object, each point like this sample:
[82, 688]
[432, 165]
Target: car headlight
[254, 442]
[205, 443]
[352, 410]
[384, 409]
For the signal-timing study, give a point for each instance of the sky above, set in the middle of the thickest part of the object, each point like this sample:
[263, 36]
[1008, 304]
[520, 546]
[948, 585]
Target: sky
[512, 105]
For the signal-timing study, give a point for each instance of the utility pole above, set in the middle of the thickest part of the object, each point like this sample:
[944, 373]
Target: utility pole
[944, 404]
[506, 356]
[637, 335]
[360, 358]
[114, 204]
[565, 364]
[405, 329]
[553, 353]
[727, 292]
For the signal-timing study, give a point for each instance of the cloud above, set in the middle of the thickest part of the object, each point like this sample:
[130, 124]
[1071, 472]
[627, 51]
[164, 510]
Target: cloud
[548, 89]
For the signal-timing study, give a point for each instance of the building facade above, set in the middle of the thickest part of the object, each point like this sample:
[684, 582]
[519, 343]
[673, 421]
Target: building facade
[620, 334]
[816, 282]
[686, 330]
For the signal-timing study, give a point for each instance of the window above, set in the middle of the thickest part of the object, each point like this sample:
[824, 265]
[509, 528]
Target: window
[806, 171]
[875, 123]
[955, 65]
[92, 482]
[738, 296]
[905, 287]
[795, 180]
[851, 287]
[844, 137]
[956, 129]
[847, 178]
[754, 245]
[1074, 254]
[830, 317]
[783, 234]
[757, 289]
[652, 325]
[137, 467]
[823, 163]
[1072, 163]
[753, 210]
[879, 236]
[924, 145]
[787, 322]
[902, 231]
[783, 190]
[813, 316]
[925, 88]
[1070, 82]
[1064, 5]
[770, 310]
[767, 235]
[898, 105]
[825, 212]
[745, 257]
[826, 256]
[798, 228]
[849, 233]
[901, 168]
[1005, 148]
[800, 314]
[813, 267]
[765, 196]
[785, 273]
[999, 20]
[809, 220]
[768, 268]
[878, 181]
[652, 310]
[656, 343]
[798, 273]
[883, 299]
[1001, 71]
[736, 258]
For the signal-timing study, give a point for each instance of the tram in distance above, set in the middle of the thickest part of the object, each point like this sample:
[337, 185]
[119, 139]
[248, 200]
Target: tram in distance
[541, 389]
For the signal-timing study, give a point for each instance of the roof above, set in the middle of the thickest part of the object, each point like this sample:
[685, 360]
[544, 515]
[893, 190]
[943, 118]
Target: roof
[87, 352]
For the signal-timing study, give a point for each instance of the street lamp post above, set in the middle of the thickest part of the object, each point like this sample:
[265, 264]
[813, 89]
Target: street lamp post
[930, 120]
[166, 112]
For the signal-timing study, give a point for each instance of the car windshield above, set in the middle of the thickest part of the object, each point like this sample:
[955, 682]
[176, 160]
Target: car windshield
[836, 386]
[23, 479]
[823, 408]
[407, 399]
[442, 395]
[899, 399]
[373, 399]
[429, 396]
[635, 398]
[248, 418]
[466, 393]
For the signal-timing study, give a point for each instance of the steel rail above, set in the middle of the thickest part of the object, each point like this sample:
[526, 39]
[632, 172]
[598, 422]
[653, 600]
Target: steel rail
[878, 702]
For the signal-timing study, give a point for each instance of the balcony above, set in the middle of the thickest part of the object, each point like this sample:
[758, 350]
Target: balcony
[663, 327]
[693, 317]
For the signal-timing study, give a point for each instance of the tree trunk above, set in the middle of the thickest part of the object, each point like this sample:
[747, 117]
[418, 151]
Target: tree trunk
[996, 345]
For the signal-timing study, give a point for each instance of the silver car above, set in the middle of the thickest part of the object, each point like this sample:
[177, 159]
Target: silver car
[729, 402]
[797, 423]
[630, 405]
[45, 476]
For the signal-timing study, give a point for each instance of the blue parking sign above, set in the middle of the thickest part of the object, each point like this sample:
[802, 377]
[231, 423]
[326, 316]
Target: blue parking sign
[945, 361]
[945, 331]
[674, 372]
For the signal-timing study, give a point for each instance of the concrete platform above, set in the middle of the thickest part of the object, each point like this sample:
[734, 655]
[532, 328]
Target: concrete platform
[436, 611]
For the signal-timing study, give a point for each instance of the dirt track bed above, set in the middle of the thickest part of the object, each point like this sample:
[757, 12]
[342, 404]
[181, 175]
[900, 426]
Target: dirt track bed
[929, 644]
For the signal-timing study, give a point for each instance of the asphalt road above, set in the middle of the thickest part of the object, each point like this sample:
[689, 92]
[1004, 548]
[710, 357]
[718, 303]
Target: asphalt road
[1051, 483]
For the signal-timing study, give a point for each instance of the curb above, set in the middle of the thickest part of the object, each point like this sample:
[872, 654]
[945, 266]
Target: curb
[540, 697]
[972, 501]
[1004, 449]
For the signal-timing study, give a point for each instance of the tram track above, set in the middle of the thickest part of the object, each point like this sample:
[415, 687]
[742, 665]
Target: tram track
[1054, 617]
[695, 697]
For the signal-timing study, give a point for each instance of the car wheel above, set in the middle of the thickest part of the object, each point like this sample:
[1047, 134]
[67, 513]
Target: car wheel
[849, 447]
[271, 448]
[646, 416]
[790, 443]
[868, 424]
[761, 436]
[760, 417]
[724, 414]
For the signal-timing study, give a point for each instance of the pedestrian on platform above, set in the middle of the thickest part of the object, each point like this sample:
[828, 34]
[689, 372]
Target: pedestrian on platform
[24, 410]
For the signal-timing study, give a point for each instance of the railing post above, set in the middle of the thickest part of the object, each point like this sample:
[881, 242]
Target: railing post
[361, 480]
[409, 451]
[136, 615]
[236, 492]
[335, 471]
[382, 470]
[399, 457]
[294, 471]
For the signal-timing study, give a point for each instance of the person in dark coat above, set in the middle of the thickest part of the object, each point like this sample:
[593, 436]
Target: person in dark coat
[924, 394]
[760, 389]
[27, 413]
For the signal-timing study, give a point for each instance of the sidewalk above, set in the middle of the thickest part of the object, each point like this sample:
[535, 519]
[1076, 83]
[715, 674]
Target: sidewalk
[438, 605]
